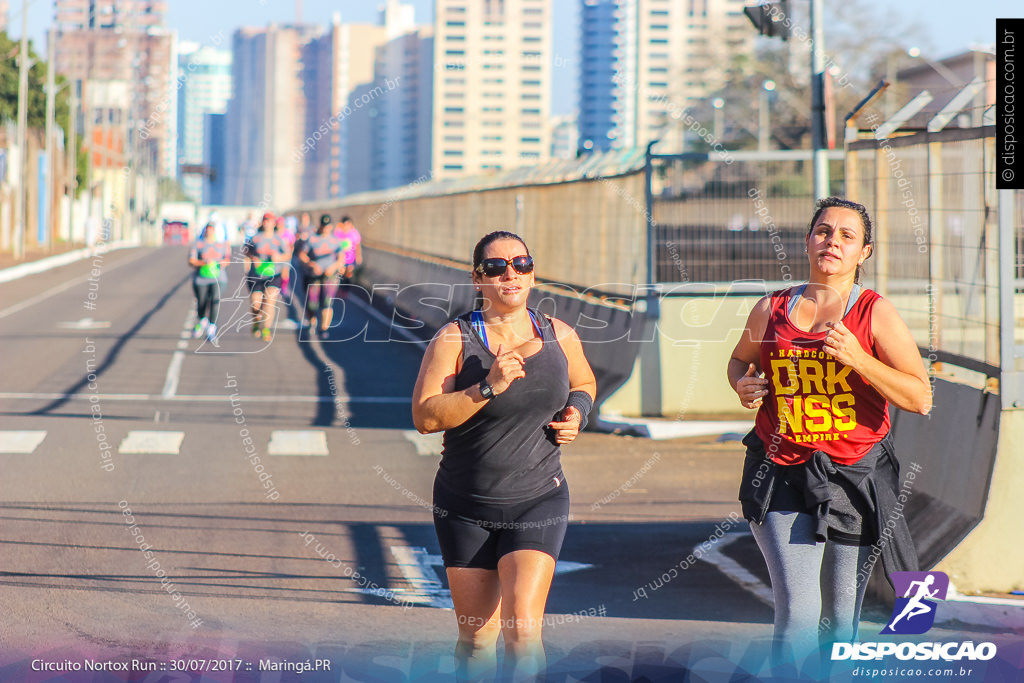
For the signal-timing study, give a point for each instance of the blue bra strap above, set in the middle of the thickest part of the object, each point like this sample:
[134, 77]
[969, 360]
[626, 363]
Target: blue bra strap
[854, 295]
[794, 298]
[476, 319]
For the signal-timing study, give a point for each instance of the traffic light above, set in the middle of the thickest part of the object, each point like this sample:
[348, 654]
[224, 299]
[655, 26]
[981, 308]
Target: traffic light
[771, 18]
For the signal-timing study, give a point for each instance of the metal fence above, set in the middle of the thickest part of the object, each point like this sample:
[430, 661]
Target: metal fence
[739, 217]
[584, 219]
[935, 206]
[743, 216]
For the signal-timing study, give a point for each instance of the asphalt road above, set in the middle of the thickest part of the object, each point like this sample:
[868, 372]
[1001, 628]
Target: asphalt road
[176, 501]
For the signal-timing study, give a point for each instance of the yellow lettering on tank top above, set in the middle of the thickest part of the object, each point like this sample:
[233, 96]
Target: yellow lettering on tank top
[817, 410]
[792, 381]
[843, 405]
[792, 417]
[812, 374]
[832, 378]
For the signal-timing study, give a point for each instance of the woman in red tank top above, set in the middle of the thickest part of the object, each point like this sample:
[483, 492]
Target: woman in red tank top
[822, 362]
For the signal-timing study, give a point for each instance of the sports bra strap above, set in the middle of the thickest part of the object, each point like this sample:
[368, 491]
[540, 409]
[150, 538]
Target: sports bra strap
[794, 298]
[476, 319]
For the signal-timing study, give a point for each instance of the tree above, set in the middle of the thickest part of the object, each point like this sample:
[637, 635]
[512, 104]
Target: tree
[859, 38]
[10, 50]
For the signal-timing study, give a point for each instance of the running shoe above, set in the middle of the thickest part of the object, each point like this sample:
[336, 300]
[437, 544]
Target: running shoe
[266, 334]
[257, 329]
[200, 327]
[211, 332]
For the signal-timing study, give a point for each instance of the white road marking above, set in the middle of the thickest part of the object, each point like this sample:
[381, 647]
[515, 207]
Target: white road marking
[425, 444]
[298, 442]
[28, 303]
[24, 442]
[205, 398]
[85, 324]
[673, 429]
[178, 358]
[145, 442]
[173, 375]
[566, 567]
[417, 566]
[735, 571]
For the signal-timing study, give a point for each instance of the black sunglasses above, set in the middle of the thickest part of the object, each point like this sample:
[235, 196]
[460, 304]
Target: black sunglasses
[494, 267]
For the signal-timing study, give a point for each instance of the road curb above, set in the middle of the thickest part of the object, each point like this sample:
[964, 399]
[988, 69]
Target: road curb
[43, 264]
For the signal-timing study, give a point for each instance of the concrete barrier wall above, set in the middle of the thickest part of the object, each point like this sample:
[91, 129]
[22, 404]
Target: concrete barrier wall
[991, 557]
[423, 293]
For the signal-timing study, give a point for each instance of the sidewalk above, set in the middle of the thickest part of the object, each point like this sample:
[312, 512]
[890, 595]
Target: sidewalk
[37, 253]
[39, 259]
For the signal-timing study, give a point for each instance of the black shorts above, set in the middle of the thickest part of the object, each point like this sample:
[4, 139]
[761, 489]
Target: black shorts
[477, 535]
[260, 284]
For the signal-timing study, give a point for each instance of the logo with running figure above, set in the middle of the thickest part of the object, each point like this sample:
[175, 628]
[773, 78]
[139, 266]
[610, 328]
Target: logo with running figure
[914, 613]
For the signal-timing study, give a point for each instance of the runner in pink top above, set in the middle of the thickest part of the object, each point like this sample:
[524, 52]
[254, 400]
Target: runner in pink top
[351, 247]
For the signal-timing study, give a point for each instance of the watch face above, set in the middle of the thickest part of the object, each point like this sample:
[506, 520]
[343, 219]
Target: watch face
[485, 390]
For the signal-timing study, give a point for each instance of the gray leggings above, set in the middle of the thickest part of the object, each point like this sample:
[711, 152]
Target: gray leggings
[815, 585]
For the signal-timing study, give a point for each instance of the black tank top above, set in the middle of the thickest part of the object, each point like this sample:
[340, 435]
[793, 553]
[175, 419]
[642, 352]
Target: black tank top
[506, 452]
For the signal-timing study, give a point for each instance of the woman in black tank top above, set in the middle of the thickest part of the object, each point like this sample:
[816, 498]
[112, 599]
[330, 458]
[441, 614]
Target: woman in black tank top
[507, 386]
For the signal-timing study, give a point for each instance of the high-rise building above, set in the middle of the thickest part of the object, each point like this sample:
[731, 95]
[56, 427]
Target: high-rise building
[644, 63]
[123, 40]
[492, 85]
[214, 152]
[129, 15]
[564, 137]
[204, 79]
[402, 100]
[337, 145]
[343, 110]
[268, 116]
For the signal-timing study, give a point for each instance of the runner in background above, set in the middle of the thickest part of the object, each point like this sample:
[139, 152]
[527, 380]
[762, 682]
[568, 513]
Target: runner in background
[287, 235]
[351, 247]
[266, 254]
[248, 228]
[322, 259]
[209, 258]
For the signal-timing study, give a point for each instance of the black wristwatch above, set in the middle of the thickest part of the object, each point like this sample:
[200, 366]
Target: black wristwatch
[485, 390]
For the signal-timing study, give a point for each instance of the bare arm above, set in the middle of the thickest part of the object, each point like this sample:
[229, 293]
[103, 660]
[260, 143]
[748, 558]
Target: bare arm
[436, 406]
[744, 367]
[898, 373]
[581, 378]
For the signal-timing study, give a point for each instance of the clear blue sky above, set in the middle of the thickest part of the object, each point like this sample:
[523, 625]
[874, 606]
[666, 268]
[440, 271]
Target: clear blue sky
[949, 27]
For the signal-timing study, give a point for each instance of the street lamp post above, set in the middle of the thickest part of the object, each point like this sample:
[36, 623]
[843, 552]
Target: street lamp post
[764, 124]
[23, 66]
[819, 143]
[718, 103]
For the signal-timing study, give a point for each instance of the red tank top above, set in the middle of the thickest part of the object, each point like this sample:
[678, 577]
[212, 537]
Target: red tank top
[814, 402]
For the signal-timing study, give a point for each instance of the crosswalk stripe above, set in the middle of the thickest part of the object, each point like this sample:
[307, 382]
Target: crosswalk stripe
[735, 571]
[23, 442]
[425, 444]
[298, 442]
[147, 442]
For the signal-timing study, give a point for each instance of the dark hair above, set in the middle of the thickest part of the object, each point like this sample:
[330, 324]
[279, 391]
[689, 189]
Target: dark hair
[478, 254]
[478, 250]
[840, 203]
[346, 219]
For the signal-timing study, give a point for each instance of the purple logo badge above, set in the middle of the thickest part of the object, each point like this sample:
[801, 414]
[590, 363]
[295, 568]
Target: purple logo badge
[914, 612]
